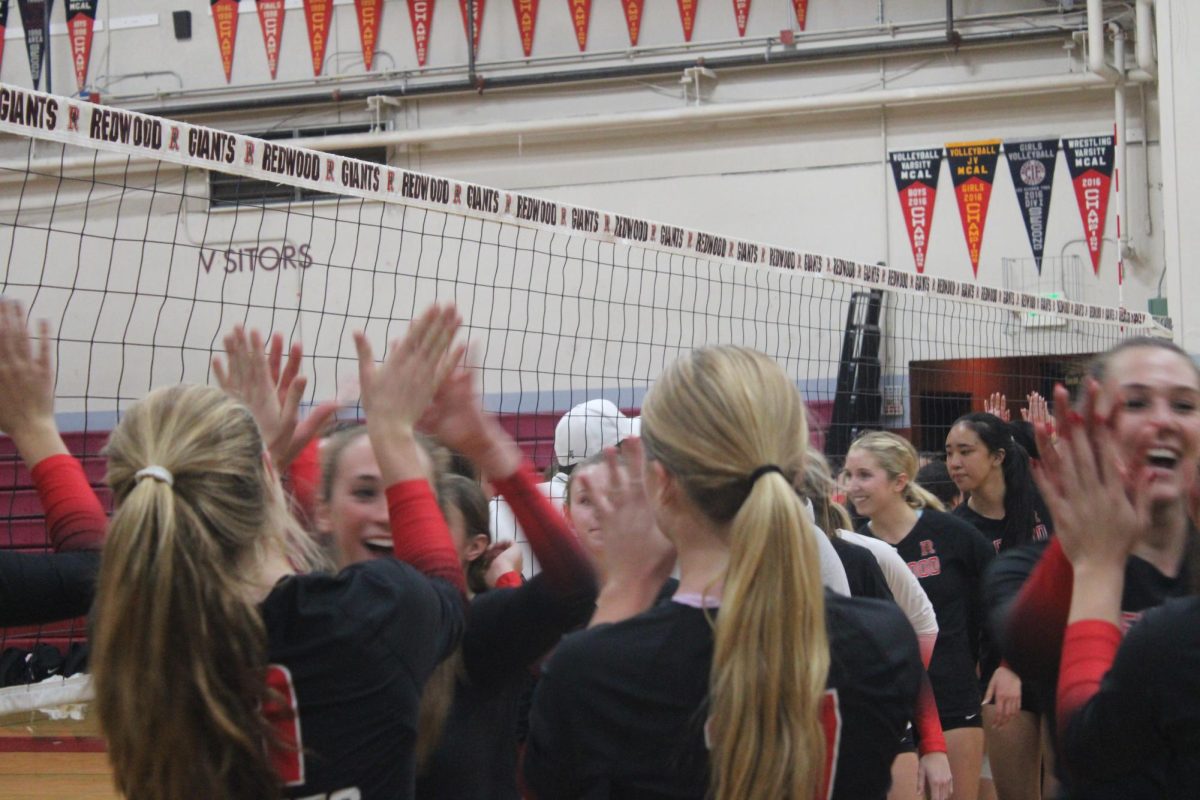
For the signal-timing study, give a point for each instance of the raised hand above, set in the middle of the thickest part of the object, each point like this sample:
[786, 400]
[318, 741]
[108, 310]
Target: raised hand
[457, 419]
[997, 406]
[397, 393]
[273, 395]
[1038, 411]
[27, 386]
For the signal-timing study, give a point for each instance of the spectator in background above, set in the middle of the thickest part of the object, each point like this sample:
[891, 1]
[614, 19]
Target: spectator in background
[935, 477]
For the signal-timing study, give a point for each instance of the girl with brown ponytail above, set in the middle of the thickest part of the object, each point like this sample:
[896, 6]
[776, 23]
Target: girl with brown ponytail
[751, 681]
[219, 670]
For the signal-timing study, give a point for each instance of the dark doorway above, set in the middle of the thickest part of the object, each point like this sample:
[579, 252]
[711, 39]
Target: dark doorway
[937, 411]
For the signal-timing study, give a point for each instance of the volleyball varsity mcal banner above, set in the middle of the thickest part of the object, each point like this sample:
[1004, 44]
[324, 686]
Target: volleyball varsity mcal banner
[225, 20]
[916, 174]
[72, 121]
[33, 17]
[972, 169]
[1031, 163]
[270, 19]
[1090, 160]
[81, 19]
[526, 11]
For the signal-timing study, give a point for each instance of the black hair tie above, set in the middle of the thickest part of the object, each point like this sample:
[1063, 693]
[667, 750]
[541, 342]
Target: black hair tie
[763, 470]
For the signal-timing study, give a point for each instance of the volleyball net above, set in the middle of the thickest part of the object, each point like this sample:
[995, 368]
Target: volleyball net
[144, 240]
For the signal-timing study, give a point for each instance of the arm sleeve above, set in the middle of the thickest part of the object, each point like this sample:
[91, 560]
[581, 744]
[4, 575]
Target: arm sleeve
[305, 474]
[1089, 647]
[37, 588]
[565, 565]
[928, 724]
[1032, 631]
[420, 536]
[75, 520]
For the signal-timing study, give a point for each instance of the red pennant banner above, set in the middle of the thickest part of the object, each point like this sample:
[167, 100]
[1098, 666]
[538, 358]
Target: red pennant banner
[633, 19]
[81, 18]
[581, 15]
[462, 4]
[270, 17]
[741, 13]
[526, 11]
[225, 18]
[801, 7]
[369, 12]
[973, 168]
[317, 14]
[421, 14]
[916, 173]
[3, 26]
[1090, 160]
[687, 15]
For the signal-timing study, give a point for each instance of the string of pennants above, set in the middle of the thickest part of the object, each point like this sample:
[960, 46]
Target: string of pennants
[318, 14]
[1031, 164]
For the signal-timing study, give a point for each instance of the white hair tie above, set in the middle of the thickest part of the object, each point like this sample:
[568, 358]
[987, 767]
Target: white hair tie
[158, 473]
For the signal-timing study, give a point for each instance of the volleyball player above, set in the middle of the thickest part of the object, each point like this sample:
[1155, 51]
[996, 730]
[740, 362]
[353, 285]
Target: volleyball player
[948, 556]
[45, 587]
[794, 692]
[1148, 391]
[219, 670]
[991, 469]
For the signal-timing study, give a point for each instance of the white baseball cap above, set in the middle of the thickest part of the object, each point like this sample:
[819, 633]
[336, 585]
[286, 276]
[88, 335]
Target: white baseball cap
[588, 428]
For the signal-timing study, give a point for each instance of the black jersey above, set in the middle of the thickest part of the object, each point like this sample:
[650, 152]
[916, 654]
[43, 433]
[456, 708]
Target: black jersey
[620, 709]
[949, 556]
[1139, 735]
[37, 588]
[862, 570]
[350, 653]
[995, 529]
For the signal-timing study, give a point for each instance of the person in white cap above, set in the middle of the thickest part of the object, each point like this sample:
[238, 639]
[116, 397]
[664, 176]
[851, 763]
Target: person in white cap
[585, 430]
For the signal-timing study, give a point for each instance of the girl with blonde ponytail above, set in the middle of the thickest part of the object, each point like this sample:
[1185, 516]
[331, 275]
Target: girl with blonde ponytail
[219, 669]
[948, 556]
[751, 681]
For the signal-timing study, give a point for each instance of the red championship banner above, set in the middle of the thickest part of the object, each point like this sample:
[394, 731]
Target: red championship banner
[33, 18]
[581, 15]
[225, 19]
[421, 14]
[526, 11]
[1090, 160]
[801, 7]
[687, 15]
[317, 15]
[633, 19]
[916, 173]
[3, 27]
[81, 17]
[270, 17]
[369, 12]
[973, 168]
[741, 13]
[462, 4]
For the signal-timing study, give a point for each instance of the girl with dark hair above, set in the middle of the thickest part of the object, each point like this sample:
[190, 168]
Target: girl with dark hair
[992, 471]
[219, 669]
[1146, 391]
[751, 681]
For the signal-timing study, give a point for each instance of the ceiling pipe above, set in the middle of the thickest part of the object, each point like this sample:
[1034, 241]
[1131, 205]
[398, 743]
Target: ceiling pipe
[1144, 41]
[1095, 40]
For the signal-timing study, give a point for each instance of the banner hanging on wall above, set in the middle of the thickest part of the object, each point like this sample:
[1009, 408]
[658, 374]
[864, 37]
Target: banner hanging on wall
[973, 168]
[3, 27]
[33, 17]
[369, 12]
[633, 19]
[687, 15]
[81, 19]
[1090, 160]
[916, 173]
[270, 19]
[581, 17]
[1031, 163]
[478, 5]
[420, 13]
[526, 11]
[801, 7]
[741, 14]
[317, 15]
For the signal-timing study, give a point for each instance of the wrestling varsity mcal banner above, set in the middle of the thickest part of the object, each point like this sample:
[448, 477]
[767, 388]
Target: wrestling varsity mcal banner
[916, 173]
[81, 19]
[972, 169]
[1031, 163]
[1090, 160]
